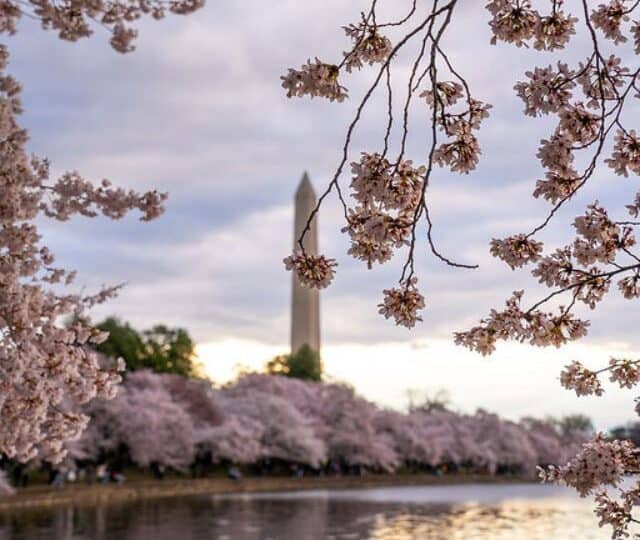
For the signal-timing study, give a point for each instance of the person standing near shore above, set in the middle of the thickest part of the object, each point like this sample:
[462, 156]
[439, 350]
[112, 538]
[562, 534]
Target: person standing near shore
[102, 474]
[5, 486]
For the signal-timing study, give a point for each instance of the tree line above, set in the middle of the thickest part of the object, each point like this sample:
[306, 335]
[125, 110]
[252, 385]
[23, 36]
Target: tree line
[271, 422]
[167, 416]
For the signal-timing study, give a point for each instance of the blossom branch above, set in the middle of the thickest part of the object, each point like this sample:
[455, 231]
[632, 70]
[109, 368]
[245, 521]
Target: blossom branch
[391, 195]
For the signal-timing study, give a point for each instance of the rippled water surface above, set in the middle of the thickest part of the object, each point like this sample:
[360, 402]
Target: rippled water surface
[522, 512]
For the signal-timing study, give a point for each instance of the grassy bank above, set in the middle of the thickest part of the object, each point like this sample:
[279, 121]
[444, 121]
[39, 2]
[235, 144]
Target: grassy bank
[96, 494]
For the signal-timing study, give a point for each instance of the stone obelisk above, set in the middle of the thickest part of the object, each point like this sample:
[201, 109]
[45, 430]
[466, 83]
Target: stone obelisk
[305, 301]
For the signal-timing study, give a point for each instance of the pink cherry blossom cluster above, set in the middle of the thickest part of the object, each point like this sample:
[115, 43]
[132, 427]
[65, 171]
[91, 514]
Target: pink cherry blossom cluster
[624, 372]
[533, 326]
[516, 251]
[388, 196]
[320, 79]
[157, 418]
[369, 46]
[600, 463]
[446, 94]
[634, 208]
[584, 381]
[71, 194]
[48, 370]
[616, 513]
[635, 31]
[572, 268]
[378, 183]
[403, 303]
[314, 271]
[515, 21]
[315, 79]
[598, 238]
[547, 90]
[626, 153]
[609, 18]
[463, 152]
[74, 21]
[630, 286]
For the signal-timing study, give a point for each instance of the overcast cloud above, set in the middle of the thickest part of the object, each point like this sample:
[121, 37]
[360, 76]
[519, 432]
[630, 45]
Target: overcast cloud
[198, 111]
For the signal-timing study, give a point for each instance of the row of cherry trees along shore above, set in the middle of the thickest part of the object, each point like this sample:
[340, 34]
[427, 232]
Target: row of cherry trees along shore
[168, 420]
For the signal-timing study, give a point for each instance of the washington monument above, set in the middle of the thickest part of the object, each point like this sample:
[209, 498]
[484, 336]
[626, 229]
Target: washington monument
[305, 301]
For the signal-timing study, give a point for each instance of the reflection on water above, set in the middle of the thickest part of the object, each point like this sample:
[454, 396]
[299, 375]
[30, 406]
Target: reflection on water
[449, 513]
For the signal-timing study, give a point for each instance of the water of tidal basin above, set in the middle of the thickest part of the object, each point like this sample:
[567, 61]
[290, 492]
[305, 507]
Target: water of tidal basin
[491, 512]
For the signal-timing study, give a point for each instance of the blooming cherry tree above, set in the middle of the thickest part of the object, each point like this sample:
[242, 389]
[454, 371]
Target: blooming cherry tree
[47, 369]
[156, 429]
[236, 440]
[285, 433]
[154, 416]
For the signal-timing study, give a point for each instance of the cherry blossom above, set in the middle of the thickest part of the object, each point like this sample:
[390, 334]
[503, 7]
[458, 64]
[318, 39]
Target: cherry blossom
[312, 270]
[236, 440]
[578, 124]
[285, 433]
[516, 251]
[614, 513]
[626, 153]
[556, 153]
[533, 326]
[447, 93]
[462, 154]
[609, 17]
[554, 30]
[158, 429]
[630, 286]
[599, 463]
[370, 47]
[601, 81]
[624, 372]
[74, 22]
[315, 79]
[403, 303]
[158, 418]
[588, 101]
[556, 269]
[547, 91]
[261, 418]
[635, 30]
[634, 208]
[513, 21]
[584, 381]
[558, 186]
[388, 196]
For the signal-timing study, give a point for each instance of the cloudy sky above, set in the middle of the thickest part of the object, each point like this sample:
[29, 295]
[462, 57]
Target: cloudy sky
[198, 111]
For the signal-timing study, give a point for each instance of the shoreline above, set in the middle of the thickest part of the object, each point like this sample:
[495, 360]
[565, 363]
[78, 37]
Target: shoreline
[39, 497]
